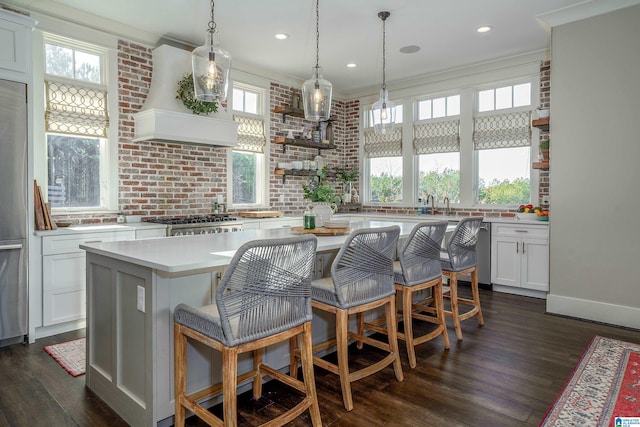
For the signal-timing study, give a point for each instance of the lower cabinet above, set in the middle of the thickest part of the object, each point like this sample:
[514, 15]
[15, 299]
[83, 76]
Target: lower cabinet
[520, 259]
[64, 274]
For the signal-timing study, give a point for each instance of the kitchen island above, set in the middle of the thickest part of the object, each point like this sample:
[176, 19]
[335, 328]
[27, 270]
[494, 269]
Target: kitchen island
[132, 289]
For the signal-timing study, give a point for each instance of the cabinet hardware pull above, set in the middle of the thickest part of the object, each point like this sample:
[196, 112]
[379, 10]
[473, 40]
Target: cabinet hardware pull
[8, 247]
[517, 248]
[94, 241]
[523, 248]
[521, 231]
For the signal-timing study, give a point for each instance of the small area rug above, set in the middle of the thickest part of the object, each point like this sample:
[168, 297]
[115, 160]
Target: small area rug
[71, 355]
[604, 387]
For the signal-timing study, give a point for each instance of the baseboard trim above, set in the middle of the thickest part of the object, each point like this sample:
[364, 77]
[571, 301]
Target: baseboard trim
[594, 310]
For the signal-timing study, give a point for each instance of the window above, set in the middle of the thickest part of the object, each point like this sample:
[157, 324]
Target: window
[504, 97]
[502, 142]
[436, 142]
[248, 159]
[439, 107]
[76, 124]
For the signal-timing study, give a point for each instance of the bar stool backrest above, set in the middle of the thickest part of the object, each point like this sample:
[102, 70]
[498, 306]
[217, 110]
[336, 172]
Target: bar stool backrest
[363, 269]
[267, 288]
[420, 254]
[461, 247]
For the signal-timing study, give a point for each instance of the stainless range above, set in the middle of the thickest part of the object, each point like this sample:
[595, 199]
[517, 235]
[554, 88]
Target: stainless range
[189, 226]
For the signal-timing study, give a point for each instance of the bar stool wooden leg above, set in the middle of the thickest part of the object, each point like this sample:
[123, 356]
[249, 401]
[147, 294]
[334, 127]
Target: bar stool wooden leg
[439, 302]
[258, 355]
[306, 358]
[360, 319]
[180, 365]
[293, 360]
[392, 327]
[407, 300]
[453, 286]
[230, 385]
[342, 341]
[476, 294]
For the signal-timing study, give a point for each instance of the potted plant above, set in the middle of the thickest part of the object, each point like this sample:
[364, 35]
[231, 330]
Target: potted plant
[347, 176]
[318, 190]
[544, 149]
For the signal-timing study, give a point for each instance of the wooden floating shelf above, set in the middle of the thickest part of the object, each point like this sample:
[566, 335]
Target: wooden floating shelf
[300, 172]
[541, 165]
[285, 110]
[542, 124]
[299, 142]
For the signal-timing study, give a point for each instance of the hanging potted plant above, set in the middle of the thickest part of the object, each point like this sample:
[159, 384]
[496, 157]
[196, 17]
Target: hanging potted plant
[544, 150]
[347, 176]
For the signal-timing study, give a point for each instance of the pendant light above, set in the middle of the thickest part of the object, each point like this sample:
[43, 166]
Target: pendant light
[383, 112]
[211, 65]
[316, 92]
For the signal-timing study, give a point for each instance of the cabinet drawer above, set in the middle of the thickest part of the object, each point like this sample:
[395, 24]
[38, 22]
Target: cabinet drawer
[68, 243]
[524, 231]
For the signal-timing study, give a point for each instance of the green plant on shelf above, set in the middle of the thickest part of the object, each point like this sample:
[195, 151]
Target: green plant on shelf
[318, 190]
[347, 175]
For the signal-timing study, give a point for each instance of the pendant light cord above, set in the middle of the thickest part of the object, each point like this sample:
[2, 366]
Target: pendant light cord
[212, 23]
[317, 32]
[384, 16]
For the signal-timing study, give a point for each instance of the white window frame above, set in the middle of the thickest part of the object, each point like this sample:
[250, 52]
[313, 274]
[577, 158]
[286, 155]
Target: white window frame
[106, 47]
[252, 83]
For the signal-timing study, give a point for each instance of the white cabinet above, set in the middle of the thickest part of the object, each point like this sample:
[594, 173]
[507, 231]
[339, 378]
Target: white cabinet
[266, 224]
[520, 259]
[64, 274]
[15, 45]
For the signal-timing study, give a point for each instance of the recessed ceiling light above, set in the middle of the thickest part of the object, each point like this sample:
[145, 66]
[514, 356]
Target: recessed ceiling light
[484, 29]
[351, 65]
[410, 49]
[282, 36]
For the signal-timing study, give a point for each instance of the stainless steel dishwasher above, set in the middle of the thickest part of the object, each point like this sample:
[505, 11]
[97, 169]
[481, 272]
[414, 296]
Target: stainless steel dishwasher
[483, 249]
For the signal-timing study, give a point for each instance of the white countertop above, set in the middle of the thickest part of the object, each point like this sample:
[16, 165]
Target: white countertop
[92, 228]
[184, 253]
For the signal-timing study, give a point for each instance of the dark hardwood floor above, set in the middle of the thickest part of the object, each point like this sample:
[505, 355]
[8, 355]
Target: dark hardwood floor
[505, 373]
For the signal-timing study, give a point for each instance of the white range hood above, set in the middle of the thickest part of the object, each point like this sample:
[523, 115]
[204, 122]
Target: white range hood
[165, 118]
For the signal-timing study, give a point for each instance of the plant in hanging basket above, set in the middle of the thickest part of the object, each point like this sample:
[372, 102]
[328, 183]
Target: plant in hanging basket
[185, 93]
[544, 149]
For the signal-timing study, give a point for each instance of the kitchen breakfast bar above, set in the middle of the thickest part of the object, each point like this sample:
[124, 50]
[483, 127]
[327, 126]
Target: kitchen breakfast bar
[132, 289]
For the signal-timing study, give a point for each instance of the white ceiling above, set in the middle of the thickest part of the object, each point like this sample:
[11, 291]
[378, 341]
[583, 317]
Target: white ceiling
[350, 31]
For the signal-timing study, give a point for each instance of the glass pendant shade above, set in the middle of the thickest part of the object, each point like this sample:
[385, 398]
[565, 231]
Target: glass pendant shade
[316, 96]
[211, 65]
[383, 113]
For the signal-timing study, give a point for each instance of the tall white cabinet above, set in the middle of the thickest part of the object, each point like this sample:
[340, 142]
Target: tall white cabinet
[520, 259]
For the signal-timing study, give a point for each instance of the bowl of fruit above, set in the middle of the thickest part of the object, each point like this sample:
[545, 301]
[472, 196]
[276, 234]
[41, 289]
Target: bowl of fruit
[543, 215]
[527, 212]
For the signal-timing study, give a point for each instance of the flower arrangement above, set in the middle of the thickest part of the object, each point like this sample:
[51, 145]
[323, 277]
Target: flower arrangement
[185, 93]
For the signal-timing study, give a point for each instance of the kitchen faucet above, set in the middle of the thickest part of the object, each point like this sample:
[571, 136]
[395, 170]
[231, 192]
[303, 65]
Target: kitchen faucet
[433, 210]
[446, 200]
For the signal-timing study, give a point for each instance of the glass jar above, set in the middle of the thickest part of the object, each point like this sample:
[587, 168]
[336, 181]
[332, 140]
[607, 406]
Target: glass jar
[309, 219]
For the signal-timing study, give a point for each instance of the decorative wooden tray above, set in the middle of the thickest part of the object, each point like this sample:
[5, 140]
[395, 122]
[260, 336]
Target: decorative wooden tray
[260, 214]
[321, 231]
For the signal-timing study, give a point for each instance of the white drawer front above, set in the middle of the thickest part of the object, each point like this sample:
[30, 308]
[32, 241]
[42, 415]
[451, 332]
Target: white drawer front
[533, 231]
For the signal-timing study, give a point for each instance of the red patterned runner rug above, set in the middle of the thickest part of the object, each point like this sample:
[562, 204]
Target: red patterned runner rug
[604, 389]
[71, 355]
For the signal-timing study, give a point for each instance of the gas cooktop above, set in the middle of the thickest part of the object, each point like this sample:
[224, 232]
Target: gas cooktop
[193, 219]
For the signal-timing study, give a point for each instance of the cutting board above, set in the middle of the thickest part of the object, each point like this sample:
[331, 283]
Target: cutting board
[321, 231]
[260, 214]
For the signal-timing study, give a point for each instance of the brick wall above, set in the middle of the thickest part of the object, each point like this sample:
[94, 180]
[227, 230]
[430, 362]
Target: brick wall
[545, 102]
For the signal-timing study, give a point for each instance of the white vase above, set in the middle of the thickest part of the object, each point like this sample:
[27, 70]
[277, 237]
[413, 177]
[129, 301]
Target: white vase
[323, 213]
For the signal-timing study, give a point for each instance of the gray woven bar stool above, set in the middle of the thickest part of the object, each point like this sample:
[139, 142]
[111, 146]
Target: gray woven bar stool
[361, 280]
[263, 298]
[461, 258]
[418, 269]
